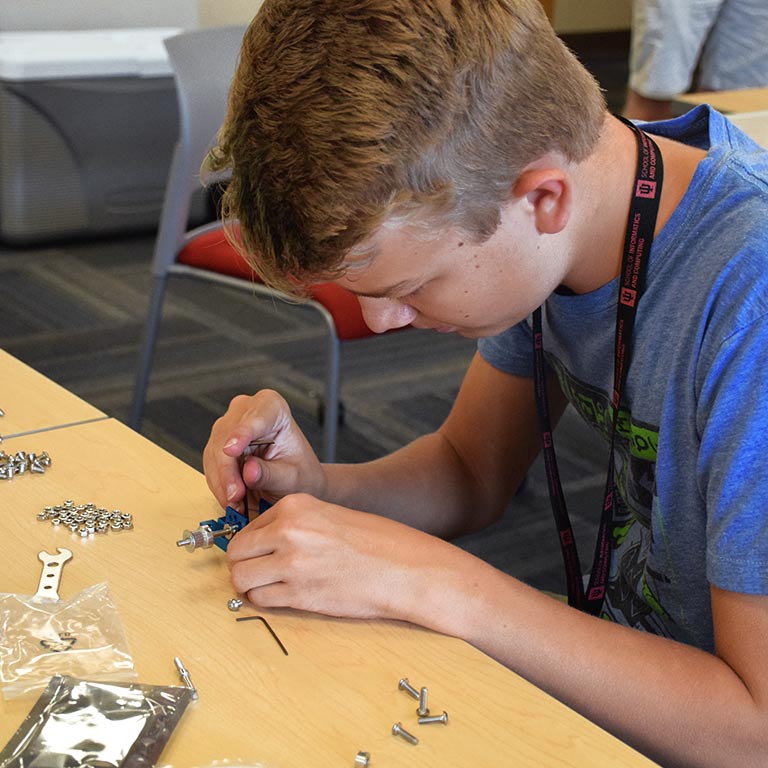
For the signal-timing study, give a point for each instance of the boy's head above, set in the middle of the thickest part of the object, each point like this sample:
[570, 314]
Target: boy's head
[344, 114]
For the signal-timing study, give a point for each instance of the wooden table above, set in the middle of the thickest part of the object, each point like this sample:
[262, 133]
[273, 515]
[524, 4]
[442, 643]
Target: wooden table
[754, 124]
[337, 690]
[32, 402]
[742, 100]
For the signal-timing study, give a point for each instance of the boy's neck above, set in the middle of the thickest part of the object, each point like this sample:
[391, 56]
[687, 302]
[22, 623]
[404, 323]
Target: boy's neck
[604, 184]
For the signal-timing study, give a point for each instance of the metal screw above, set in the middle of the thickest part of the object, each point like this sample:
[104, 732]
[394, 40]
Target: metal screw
[234, 604]
[434, 719]
[423, 710]
[404, 685]
[398, 730]
[204, 537]
[184, 675]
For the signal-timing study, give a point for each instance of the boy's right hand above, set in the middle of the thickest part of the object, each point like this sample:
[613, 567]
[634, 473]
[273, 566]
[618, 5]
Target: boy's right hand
[288, 465]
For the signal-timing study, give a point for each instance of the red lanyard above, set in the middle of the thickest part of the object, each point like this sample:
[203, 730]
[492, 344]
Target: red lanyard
[637, 247]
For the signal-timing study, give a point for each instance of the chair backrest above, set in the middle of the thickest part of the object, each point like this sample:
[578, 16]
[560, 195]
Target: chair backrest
[203, 63]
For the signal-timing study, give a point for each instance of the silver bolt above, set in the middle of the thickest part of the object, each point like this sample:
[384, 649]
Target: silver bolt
[234, 604]
[404, 685]
[398, 730]
[204, 537]
[184, 675]
[423, 710]
[434, 719]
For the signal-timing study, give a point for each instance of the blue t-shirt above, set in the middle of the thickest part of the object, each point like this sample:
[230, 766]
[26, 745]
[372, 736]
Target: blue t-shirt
[692, 443]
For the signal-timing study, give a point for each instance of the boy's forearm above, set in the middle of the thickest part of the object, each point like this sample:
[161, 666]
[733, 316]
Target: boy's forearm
[680, 705]
[424, 485]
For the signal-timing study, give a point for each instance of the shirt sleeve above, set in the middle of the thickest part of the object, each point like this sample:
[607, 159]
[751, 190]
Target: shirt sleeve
[510, 351]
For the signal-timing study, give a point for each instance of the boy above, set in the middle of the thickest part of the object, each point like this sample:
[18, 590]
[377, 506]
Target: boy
[454, 166]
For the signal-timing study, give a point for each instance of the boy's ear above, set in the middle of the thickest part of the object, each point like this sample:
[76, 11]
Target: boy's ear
[548, 193]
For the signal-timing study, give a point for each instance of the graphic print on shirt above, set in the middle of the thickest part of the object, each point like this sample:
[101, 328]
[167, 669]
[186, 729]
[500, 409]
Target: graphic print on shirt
[632, 595]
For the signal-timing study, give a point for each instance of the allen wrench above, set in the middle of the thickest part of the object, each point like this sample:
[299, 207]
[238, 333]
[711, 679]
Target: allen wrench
[266, 624]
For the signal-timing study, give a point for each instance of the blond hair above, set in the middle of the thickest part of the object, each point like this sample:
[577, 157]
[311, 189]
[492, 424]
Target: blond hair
[346, 113]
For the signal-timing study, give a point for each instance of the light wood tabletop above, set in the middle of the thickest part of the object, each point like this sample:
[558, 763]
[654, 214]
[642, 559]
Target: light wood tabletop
[334, 694]
[32, 402]
[754, 124]
[741, 100]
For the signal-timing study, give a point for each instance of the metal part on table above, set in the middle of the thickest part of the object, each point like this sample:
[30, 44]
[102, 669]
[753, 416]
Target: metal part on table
[266, 624]
[362, 759]
[12, 464]
[398, 730]
[427, 719]
[404, 685]
[210, 532]
[235, 603]
[204, 537]
[86, 519]
[50, 578]
[184, 675]
[423, 710]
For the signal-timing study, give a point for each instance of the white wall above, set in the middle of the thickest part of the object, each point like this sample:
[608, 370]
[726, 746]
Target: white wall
[96, 14]
[215, 13]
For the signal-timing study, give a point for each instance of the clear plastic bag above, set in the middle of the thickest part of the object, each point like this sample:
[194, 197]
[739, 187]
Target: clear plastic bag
[82, 637]
[109, 725]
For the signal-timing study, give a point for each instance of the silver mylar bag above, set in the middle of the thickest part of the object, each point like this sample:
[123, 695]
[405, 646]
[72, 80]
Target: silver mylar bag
[103, 725]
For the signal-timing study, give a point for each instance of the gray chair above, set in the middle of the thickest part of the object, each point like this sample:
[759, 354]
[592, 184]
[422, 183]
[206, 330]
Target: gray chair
[203, 62]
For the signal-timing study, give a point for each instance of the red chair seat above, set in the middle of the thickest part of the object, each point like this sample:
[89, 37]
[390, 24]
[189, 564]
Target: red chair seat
[212, 252]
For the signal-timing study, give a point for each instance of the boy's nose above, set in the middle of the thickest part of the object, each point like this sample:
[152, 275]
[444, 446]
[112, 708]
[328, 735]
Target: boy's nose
[382, 315]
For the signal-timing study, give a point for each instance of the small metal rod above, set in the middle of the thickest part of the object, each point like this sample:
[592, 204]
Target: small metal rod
[250, 449]
[266, 624]
[184, 675]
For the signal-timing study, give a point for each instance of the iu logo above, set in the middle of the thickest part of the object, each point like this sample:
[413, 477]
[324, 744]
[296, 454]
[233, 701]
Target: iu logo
[645, 188]
[628, 297]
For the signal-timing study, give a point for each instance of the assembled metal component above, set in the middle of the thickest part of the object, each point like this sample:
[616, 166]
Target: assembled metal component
[426, 720]
[205, 537]
[423, 710]
[234, 604]
[404, 685]
[48, 589]
[362, 759]
[398, 730]
[184, 675]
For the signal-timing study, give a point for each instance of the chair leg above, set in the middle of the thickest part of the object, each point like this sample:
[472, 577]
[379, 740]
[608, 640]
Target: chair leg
[147, 351]
[332, 387]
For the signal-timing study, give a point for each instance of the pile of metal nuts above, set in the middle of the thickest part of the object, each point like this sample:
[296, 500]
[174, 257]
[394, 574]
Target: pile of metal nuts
[12, 464]
[86, 519]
